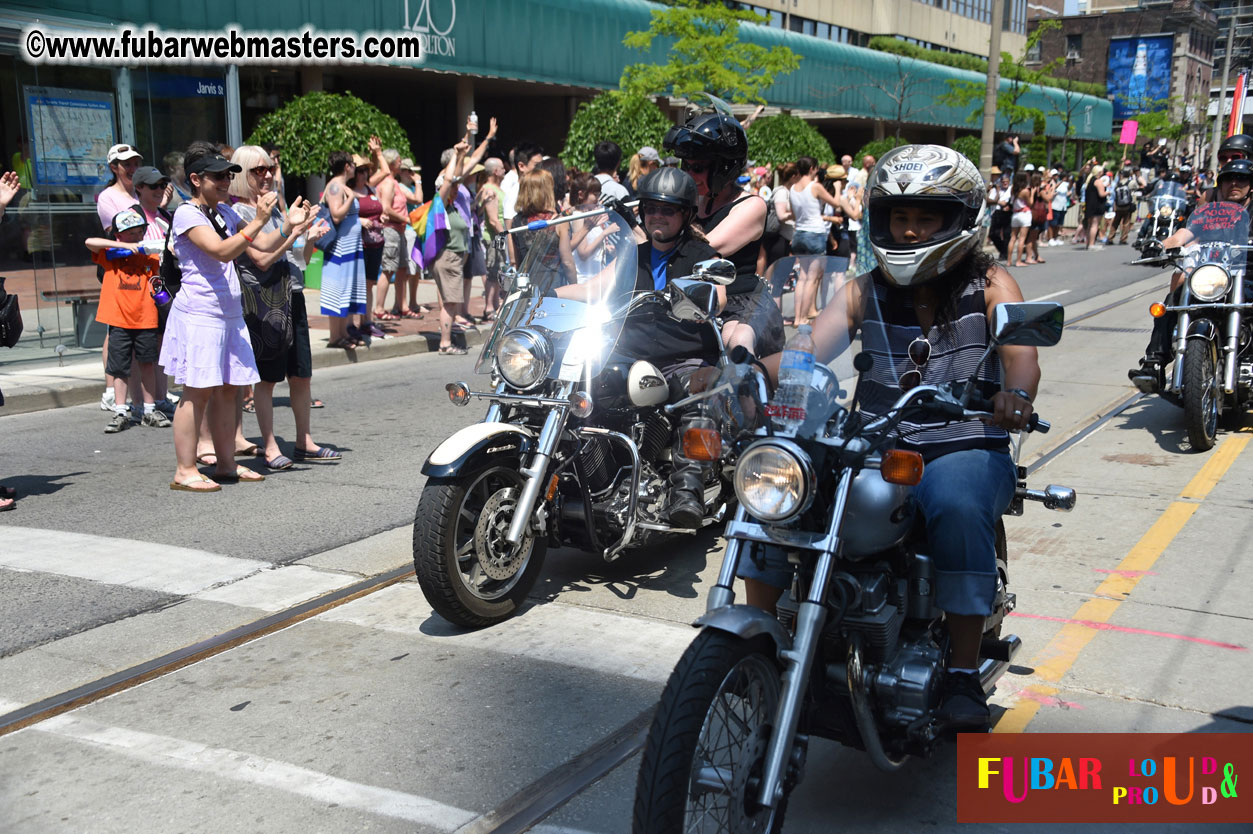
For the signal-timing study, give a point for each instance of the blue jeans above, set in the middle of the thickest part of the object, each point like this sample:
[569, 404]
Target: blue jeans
[962, 496]
[809, 243]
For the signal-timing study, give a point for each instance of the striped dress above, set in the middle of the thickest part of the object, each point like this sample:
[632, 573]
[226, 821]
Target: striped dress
[890, 325]
[343, 270]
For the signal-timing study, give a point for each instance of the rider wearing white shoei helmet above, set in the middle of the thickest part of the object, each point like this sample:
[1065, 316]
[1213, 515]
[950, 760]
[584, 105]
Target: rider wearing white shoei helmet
[940, 179]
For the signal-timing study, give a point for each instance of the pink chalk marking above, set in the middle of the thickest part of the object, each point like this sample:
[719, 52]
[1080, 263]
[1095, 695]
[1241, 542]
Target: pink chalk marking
[1108, 627]
[1046, 700]
[1131, 573]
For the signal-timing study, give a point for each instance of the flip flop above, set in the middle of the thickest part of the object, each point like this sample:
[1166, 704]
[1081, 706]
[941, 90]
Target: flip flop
[250, 451]
[410, 314]
[385, 316]
[322, 455]
[12, 504]
[279, 462]
[203, 460]
[8, 492]
[250, 407]
[186, 486]
[237, 478]
[317, 403]
[452, 350]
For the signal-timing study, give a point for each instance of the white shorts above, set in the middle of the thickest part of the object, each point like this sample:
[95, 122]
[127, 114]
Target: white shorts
[1020, 219]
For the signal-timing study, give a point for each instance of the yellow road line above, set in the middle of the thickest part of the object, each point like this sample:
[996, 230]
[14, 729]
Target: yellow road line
[1054, 660]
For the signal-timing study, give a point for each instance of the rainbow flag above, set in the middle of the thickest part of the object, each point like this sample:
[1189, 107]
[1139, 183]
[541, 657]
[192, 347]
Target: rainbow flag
[430, 221]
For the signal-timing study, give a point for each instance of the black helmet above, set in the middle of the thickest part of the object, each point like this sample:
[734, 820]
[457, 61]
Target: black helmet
[668, 185]
[715, 137]
[1236, 167]
[1241, 142]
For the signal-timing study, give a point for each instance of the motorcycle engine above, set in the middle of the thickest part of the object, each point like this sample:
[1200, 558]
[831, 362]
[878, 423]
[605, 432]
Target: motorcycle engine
[907, 685]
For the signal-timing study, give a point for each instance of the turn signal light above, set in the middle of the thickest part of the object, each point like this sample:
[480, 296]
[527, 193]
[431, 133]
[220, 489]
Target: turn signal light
[901, 467]
[1157, 309]
[458, 393]
[580, 404]
[552, 489]
[702, 444]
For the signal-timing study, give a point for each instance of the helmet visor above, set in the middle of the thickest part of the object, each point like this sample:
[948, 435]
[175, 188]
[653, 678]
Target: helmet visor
[905, 223]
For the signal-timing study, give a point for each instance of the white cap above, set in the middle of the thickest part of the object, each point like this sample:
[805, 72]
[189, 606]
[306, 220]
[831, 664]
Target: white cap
[121, 153]
[1028, 167]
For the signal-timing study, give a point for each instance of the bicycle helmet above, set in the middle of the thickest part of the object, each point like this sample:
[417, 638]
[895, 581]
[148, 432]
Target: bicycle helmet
[713, 137]
[668, 185]
[1241, 142]
[937, 178]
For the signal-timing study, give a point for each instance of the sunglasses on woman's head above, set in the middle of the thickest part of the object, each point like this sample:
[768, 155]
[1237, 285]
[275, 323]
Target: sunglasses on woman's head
[262, 170]
[919, 351]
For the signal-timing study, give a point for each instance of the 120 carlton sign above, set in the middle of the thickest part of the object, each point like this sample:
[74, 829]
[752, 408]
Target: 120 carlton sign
[433, 20]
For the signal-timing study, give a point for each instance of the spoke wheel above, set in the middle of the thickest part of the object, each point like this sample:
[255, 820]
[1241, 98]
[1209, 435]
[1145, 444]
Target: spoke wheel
[1202, 396]
[701, 768]
[467, 570]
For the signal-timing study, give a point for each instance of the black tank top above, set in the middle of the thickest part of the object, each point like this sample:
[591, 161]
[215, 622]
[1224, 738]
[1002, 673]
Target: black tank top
[745, 259]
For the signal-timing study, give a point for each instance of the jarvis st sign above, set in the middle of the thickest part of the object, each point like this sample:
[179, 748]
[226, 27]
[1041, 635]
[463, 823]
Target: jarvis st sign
[433, 20]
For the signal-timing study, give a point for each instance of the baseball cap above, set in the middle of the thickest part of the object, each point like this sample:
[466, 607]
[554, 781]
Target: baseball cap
[121, 153]
[147, 175]
[1028, 167]
[128, 219]
[214, 164]
[760, 171]
[406, 164]
[671, 162]
[649, 154]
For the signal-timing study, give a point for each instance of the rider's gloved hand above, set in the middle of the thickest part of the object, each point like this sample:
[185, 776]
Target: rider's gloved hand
[620, 208]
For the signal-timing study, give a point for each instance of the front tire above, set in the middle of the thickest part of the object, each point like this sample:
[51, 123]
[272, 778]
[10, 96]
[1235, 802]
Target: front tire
[707, 744]
[468, 573]
[1202, 398]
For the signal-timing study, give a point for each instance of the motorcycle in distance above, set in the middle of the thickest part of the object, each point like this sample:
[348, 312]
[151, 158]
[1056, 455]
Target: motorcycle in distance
[1213, 335]
[857, 649]
[1169, 213]
[575, 446]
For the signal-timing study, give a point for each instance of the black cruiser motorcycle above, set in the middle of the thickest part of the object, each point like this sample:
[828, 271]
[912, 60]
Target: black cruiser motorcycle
[575, 447]
[857, 649]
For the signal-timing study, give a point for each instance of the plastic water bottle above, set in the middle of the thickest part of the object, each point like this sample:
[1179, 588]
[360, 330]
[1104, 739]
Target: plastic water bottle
[474, 123]
[796, 371]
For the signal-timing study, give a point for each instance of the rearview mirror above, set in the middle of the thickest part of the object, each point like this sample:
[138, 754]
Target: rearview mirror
[1030, 323]
[715, 271]
[694, 301]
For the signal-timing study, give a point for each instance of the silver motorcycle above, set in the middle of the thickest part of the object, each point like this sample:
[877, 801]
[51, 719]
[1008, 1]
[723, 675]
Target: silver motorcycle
[857, 649]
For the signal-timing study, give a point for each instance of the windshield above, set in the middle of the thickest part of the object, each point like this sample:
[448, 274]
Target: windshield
[848, 324]
[1170, 191]
[549, 257]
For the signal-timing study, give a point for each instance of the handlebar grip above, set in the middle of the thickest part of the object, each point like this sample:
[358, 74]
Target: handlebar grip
[1033, 424]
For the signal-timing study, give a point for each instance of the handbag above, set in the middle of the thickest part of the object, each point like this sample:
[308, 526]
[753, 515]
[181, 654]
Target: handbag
[1039, 211]
[327, 242]
[10, 318]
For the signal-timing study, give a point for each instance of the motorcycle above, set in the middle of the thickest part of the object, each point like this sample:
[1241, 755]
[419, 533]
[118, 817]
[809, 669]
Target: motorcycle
[1212, 336]
[1168, 215]
[575, 447]
[857, 649]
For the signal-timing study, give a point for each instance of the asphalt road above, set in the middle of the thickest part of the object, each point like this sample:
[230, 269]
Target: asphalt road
[378, 716]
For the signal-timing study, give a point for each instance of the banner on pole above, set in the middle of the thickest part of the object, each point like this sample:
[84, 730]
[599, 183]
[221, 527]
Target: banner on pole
[1236, 124]
[1129, 130]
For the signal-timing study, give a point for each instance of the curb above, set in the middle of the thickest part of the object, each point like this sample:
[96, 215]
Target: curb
[82, 392]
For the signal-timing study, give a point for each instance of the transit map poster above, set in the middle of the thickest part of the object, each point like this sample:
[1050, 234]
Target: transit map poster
[1139, 73]
[71, 132]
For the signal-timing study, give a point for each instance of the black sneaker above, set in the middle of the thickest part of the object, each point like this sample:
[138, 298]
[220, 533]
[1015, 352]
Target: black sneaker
[963, 704]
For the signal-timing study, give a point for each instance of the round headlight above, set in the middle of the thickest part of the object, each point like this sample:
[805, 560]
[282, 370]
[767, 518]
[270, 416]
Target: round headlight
[773, 480]
[1209, 282]
[523, 357]
[1166, 211]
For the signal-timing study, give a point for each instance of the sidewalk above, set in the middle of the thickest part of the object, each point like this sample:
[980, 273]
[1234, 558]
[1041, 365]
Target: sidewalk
[32, 378]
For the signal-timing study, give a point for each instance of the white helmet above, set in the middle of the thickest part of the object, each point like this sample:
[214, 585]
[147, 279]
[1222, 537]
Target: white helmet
[938, 178]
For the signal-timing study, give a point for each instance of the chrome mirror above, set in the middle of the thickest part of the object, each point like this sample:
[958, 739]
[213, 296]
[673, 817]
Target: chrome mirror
[1031, 323]
[715, 270]
[694, 300]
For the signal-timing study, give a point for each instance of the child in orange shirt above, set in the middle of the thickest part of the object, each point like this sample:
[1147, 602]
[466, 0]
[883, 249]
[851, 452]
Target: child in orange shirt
[126, 305]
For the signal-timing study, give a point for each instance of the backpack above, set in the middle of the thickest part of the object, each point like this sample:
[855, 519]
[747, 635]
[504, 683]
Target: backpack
[171, 273]
[772, 215]
[1039, 211]
[1122, 195]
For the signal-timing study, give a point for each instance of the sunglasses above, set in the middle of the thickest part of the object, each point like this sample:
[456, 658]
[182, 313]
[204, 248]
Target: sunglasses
[220, 176]
[659, 209]
[696, 167]
[919, 352]
[1224, 158]
[262, 170]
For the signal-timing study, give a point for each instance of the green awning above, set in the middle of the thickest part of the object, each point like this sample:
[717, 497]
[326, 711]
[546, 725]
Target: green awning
[579, 43]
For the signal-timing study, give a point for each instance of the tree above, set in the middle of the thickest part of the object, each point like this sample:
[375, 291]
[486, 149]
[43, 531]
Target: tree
[310, 127]
[900, 100]
[775, 140]
[1008, 101]
[968, 146]
[630, 120]
[706, 54]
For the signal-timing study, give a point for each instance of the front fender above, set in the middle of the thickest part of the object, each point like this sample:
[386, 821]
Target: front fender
[481, 441]
[747, 622]
[1202, 329]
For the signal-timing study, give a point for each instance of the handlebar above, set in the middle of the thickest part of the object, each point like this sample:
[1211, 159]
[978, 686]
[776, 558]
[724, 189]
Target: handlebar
[981, 409]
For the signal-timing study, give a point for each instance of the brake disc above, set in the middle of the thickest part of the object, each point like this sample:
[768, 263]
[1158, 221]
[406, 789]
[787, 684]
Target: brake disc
[499, 558]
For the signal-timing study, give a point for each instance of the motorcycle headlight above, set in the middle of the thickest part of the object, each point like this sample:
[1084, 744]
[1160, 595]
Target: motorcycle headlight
[773, 480]
[1209, 282]
[1166, 211]
[523, 358]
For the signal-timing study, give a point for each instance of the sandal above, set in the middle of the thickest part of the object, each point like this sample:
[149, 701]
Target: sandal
[452, 350]
[249, 451]
[249, 405]
[322, 455]
[316, 403]
[345, 343]
[186, 486]
[238, 476]
[410, 314]
[203, 460]
[383, 315]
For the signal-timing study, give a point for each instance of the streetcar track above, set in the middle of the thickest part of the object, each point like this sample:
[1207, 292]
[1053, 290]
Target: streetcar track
[542, 797]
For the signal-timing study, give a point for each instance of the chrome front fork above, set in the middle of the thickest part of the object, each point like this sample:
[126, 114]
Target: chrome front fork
[1181, 339]
[1233, 337]
[533, 475]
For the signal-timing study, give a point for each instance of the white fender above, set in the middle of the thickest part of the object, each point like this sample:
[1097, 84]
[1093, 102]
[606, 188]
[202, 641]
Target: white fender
[465, 439]
[646, 385]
